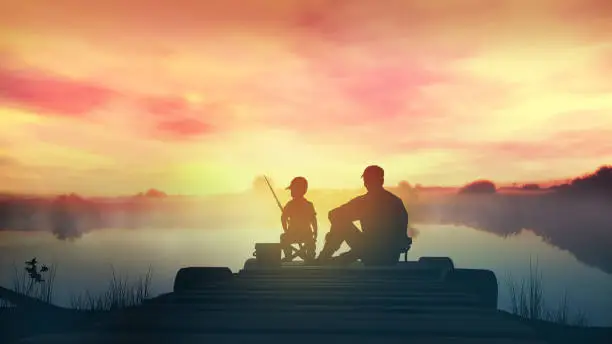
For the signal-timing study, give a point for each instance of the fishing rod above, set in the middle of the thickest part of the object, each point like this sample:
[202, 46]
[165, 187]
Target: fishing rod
[274, 194]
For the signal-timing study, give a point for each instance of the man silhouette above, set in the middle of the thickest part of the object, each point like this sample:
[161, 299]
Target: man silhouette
[383, 219]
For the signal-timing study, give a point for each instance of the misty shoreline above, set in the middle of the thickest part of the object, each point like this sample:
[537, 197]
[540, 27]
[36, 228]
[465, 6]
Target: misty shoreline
[575, 216]
[582, 226]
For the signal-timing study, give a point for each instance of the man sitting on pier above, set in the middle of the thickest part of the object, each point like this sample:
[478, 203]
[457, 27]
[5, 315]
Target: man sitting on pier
[384, 223]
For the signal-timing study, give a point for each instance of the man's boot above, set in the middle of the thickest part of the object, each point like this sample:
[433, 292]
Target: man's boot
[325, 255]
[328, 249]
[346, 258]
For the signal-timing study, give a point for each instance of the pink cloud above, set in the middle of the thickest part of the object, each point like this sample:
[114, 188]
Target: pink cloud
[51, 94]
[587, 10]
[560, 146]
[176, 118]
[183, 128]
[165, 106]
[6, 161]
[54, 95]
[396, 120]
[381, 91]
[324, 21]
[163, 19]
[591, 17]
[414, 29]
[364, 56]
[375, 56]
[569, 144]
[605, 66]
[343, 87]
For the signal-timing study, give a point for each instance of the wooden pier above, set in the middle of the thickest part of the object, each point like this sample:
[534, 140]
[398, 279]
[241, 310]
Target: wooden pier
[415, 302]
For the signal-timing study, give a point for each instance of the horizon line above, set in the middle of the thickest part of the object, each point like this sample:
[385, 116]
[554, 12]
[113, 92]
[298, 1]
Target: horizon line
[422, 187]
[499, 184]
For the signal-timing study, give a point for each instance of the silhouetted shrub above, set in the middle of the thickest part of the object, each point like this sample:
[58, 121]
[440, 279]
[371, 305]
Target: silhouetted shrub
[154, 193]
[71, 216]
[260, 186]
[479, 187]
[406, 192]
[598, 183]
[531, 187]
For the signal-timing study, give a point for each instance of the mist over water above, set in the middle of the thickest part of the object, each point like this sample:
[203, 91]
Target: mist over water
[567, 234]
[85, 264]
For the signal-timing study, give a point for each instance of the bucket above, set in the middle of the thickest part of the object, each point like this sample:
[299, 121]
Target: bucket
[268, 254]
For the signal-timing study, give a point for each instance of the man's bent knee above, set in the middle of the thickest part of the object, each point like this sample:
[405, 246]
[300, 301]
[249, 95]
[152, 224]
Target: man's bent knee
[330, 216]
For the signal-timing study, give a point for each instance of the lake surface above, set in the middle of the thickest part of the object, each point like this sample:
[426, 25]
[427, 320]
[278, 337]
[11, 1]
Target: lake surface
[85, 263]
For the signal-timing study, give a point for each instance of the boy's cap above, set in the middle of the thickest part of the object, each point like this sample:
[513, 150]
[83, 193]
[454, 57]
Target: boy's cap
[299, 182]
[373, 171]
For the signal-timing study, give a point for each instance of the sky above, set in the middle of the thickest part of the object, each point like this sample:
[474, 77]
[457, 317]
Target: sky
[196, 97]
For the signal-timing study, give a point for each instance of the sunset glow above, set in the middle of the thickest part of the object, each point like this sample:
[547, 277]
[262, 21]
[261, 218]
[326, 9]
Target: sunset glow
[195, 97]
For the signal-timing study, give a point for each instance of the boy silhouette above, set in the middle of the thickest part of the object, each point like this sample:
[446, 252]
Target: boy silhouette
[299, 220]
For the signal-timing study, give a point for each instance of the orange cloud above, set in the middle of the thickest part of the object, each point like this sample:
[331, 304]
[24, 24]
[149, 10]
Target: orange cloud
[50, 94]
[205, 95]
[184, 127]
[7, 161]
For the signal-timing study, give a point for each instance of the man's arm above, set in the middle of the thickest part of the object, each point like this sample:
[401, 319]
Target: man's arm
[403, 217]
[347, 212]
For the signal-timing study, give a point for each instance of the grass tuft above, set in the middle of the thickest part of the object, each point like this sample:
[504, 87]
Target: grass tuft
[121, 293]
[38, 283]
[527, 301]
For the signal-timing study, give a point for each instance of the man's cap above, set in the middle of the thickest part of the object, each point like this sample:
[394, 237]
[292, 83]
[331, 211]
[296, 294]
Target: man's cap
[299, 182]
[373, 171]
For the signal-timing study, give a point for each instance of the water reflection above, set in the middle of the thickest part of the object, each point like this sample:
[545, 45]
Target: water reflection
[86, 263]
[580, 226]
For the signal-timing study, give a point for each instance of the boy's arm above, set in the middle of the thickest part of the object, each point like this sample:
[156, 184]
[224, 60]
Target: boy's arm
[285, 217]
[315, 225]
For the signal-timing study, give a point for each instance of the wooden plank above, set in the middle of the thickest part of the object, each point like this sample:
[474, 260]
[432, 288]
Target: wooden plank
[328, 299]
[422, 275]
[337, 284]
[401, 266]
[337, 281]
[383, 289]
[231, 338]
[347, 287]
[374, 309]
[339, 277]
[325, 300]
[319, 271]
[325, 323]
[327, 292]
[328, 289]
[260, 279]
[318, 279]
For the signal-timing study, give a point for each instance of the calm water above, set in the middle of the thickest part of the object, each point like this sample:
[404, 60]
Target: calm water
[85, 263]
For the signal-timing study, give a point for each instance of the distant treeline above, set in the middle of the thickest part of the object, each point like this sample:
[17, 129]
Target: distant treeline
[596, 184]
[69, 216]
[576, 216]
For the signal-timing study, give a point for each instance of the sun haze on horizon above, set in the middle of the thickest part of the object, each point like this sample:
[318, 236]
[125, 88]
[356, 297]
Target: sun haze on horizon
[112, 97]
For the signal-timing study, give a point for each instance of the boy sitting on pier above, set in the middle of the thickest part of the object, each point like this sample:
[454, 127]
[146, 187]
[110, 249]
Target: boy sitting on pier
[299, 221]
